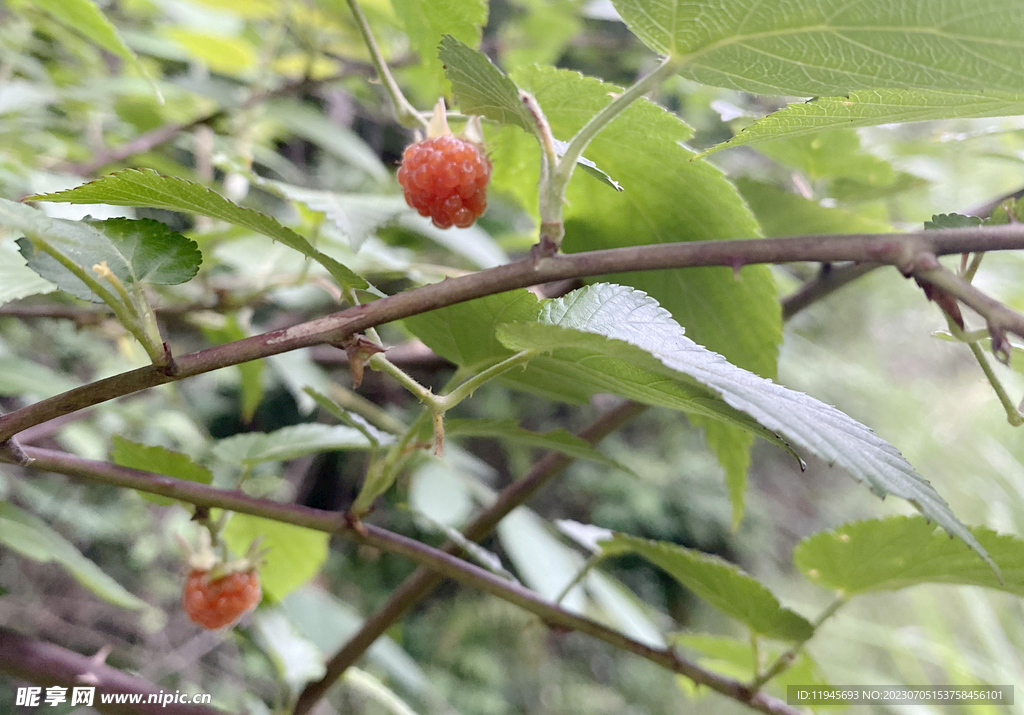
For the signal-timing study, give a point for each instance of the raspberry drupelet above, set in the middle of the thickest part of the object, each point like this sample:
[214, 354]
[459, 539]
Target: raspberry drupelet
[217, 602]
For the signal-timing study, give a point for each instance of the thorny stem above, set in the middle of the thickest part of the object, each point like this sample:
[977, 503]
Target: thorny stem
[374, 536]
[896, 249]
[405, 113]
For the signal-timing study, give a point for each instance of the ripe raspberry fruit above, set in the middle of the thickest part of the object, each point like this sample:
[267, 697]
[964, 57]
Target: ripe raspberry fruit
[217, 602]
[446, 179]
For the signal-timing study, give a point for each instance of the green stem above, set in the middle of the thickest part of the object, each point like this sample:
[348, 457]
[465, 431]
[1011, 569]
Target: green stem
[125, 310]
[443, 403]
[380, 363]
[786, 659]
[599, 121]
[590, 563]
[1013, 415]
[405, 113]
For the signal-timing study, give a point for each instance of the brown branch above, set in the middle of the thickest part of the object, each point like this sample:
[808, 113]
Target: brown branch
[423, 580]
[384, 540]
[48, 665]
[900, 250]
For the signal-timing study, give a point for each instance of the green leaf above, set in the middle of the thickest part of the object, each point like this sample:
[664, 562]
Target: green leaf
[558, 440]
[723, 585]
[224, 54]
[161, 460]
[952, 221]
[147, 251]
[894, 553]
[145, 187]
[293, 554]
[480, 87]
[85, 17]
[29, 536]
[428, 21]
[251, 448]
[483, 89]
[784, 214]
[153, 252]
[831, 47]
[873, 107]
[620, 340]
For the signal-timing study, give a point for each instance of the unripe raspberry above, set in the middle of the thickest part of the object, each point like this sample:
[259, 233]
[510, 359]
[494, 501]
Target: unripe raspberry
[445, 177]
[217, 602]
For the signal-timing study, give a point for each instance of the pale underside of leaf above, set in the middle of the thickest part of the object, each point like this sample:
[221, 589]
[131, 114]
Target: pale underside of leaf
[621, 337]
[869, 108]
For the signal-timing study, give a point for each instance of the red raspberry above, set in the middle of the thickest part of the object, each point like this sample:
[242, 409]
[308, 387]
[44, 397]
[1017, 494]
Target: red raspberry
[221, 601]
[446, 178]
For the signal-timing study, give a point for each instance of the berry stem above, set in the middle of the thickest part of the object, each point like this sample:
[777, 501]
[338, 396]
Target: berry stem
[405, 113]
[567, 164]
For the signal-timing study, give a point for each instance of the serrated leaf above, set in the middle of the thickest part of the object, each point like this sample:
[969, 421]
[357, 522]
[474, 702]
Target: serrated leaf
[480, 87]
[667, 197]
[145, 187]
[160, 460]
[153, 252]
[830, 47]
[251, 448]
[483, 89]
[622, 341]
[873, 107]
[30, 536]
[784, 214]
[85, 17]
[952, 221]
[147, 251]
[558, 440]
[721, 584]
[428, 21]
[293, 554]
[898, 552]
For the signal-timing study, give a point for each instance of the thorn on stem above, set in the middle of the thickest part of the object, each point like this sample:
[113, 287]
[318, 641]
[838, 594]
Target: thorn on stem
[359, 349]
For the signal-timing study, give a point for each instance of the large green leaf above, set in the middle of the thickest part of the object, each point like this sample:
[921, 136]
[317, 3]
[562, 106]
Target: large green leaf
[831, 47]
[251, 448]
[720, 583]
[869, 108]
[620, 340]
[159, 460]
[902, 551]
[29, 536]
[145, 187]
[293, 554]
[832, 155]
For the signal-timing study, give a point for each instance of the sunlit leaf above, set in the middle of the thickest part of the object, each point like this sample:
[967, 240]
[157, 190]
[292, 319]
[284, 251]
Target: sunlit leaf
[152, 458]
[293, 554]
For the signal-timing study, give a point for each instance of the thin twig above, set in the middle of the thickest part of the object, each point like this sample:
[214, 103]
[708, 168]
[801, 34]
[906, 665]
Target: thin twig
[439, 561]
[901, 250]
